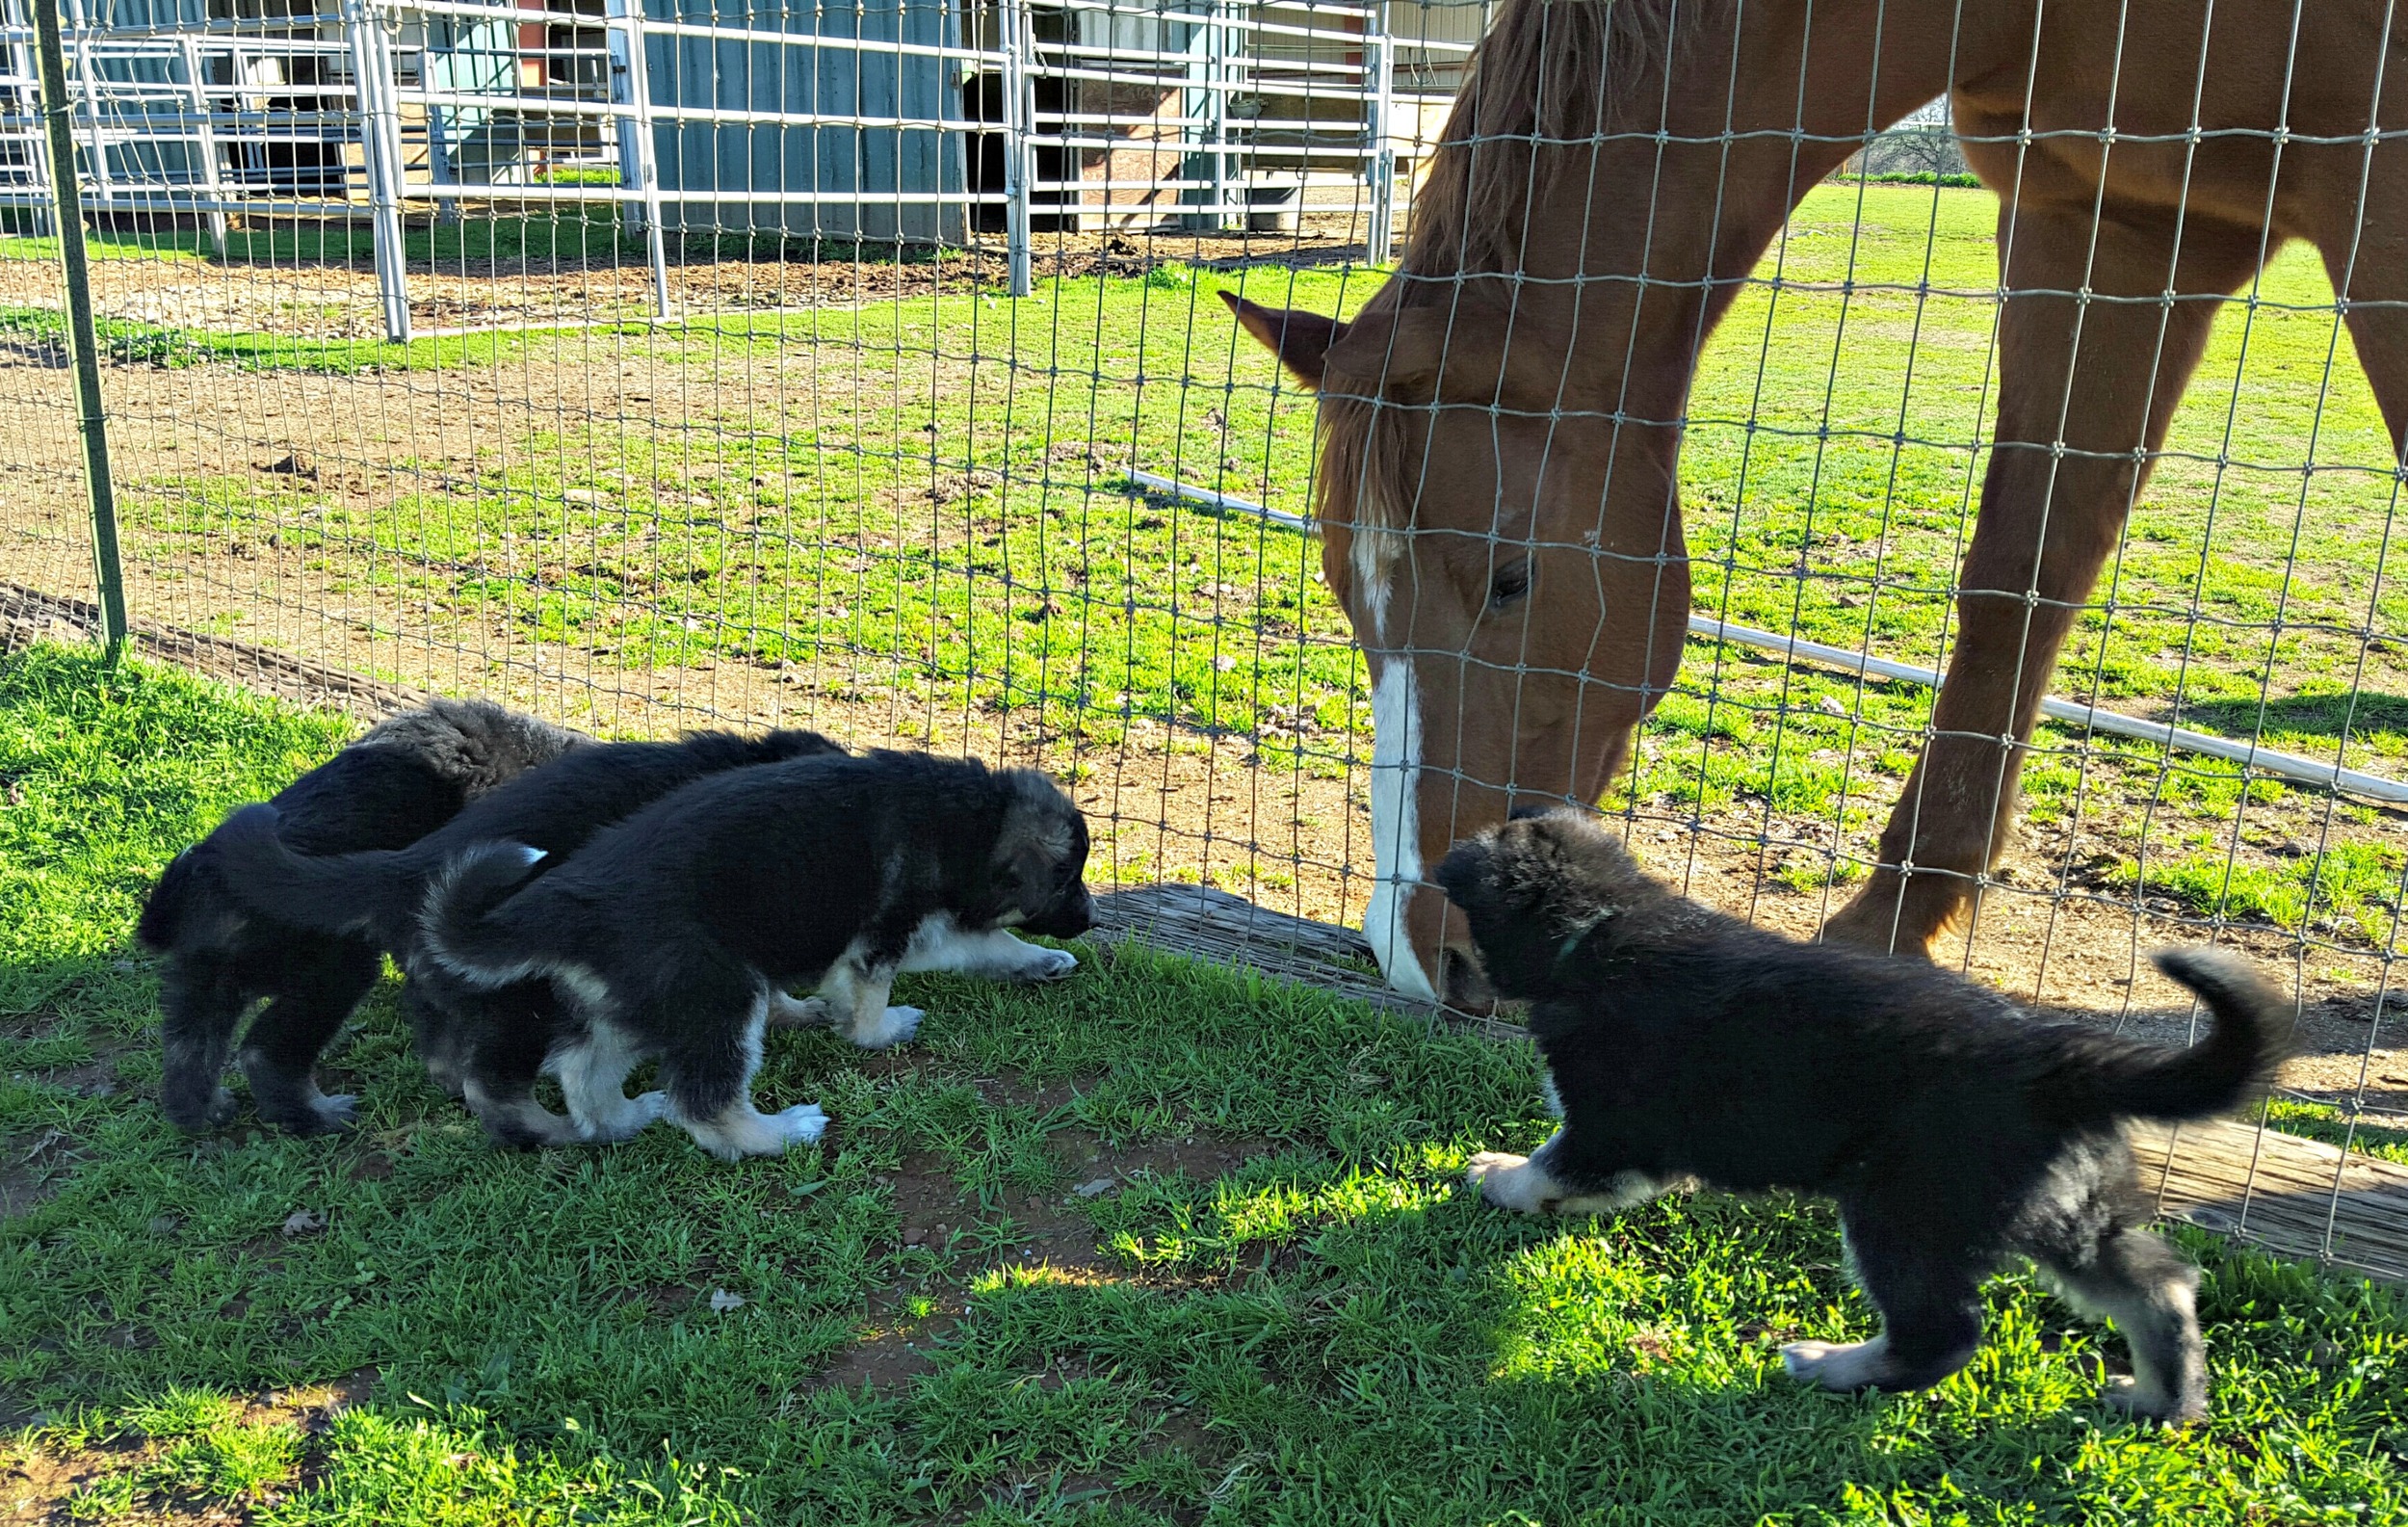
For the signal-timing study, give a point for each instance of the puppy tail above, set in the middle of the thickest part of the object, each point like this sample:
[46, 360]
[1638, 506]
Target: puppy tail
[334, 893]
[2233, 1064]
[454, 921]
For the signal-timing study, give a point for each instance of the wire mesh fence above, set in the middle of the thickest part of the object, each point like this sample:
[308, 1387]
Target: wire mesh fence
[653, 364]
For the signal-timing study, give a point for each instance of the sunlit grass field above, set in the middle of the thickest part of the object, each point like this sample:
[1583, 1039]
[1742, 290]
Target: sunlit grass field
[1163, 1244]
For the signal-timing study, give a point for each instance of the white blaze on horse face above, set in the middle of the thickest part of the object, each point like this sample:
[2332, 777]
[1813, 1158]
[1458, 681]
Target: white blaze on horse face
[1396, 827]
[1374, 561]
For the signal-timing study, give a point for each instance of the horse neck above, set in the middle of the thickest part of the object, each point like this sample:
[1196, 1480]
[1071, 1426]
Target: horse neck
[1634, 242]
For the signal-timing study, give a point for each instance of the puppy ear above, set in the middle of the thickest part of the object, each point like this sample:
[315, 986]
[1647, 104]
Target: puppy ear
[1043, 838]
[1528, 813]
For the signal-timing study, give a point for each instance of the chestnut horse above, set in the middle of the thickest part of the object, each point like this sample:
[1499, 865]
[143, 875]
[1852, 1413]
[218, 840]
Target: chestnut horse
[1500, 424]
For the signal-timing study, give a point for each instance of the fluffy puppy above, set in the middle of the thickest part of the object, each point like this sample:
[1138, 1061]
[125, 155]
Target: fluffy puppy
[1954, 1128]
[671, 936]
[404, 778]
[497, 1036]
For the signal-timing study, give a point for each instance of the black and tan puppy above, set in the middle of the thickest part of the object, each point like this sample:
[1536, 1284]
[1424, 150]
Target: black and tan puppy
[485, 1046]
[404, 778]
[671, 936]
[1954, 1128]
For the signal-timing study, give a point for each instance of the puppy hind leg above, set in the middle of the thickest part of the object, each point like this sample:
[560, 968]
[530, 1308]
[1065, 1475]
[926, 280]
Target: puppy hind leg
[1931, 1317]
[279, 1055]
[592, 1070]
[202, 1005]
[2151, 1293]
[501, 1041]
[515, 1120]
[435, 1035]
[708, 1073]
[790, 1011]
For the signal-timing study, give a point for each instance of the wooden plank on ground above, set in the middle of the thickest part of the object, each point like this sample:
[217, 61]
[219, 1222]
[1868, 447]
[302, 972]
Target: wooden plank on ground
[2299, 1198]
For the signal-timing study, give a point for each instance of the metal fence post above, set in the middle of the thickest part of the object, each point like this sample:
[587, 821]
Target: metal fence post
[1379, 237]
[641, 158]
[212, 184]
[1019, 141]
[88, 78]
[380, 134]
[90, 421]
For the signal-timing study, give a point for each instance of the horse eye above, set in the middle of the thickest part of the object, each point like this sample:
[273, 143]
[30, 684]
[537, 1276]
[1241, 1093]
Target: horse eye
[1511, 582]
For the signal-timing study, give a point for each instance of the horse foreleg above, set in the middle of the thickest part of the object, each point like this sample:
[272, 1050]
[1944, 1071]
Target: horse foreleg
[2087, 386]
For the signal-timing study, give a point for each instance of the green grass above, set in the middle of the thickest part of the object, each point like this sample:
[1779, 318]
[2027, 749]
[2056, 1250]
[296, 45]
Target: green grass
[1279, 1309]
[926, 498]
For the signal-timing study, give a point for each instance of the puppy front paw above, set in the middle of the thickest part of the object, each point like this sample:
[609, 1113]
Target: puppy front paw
[2128, 1395]
[789, 1011]
[1502, 1180]
[891, 1028]
[1048, 964]
[802, 1123]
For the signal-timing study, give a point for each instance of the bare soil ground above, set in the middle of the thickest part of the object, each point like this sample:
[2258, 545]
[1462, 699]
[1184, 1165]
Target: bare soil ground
[339, 298]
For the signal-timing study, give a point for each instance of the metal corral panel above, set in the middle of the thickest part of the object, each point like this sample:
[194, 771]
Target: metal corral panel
[873, 182]
[135, 87]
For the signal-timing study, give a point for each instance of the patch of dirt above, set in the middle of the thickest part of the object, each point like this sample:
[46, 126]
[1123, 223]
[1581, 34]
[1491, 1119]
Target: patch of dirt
[1049, 1239]
[28, 1167]
[37, 1481]
[885, 1360]
[311, 1407]
[339, 298]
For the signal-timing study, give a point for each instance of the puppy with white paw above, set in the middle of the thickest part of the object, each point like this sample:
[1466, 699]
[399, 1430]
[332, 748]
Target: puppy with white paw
[1954, 1128]
[676, 935]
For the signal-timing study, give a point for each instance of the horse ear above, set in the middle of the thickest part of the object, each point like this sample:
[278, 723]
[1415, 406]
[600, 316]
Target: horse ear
[1464, 337]
[1299, 338]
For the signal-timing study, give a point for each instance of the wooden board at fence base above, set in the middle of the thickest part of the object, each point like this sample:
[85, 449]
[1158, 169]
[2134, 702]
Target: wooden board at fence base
[2276, 1190]
[2300, 1198]
[2295, 1197]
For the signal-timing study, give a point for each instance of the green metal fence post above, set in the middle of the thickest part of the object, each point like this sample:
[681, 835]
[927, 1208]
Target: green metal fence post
[83, 351]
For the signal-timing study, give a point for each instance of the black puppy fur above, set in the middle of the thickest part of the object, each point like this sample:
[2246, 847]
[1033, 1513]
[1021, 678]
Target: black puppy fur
[1952, 1127]
[669, 936]
[484, 1046]
[404, 778]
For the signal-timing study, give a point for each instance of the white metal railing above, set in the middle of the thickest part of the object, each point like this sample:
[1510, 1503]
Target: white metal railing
[1200, 110]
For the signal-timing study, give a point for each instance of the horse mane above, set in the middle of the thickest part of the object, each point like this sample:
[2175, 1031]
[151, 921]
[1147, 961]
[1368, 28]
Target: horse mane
[1548, 71]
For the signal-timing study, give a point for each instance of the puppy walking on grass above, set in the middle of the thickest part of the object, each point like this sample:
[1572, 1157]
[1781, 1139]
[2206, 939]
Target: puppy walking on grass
[1954, 1128]
[669, 937]
[485, 1047]
[404, 780]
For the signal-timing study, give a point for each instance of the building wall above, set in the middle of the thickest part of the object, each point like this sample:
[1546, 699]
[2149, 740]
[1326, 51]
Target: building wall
[854, 164]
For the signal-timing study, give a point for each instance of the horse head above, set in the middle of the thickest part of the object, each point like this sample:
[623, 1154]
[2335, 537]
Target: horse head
[1468, 532]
